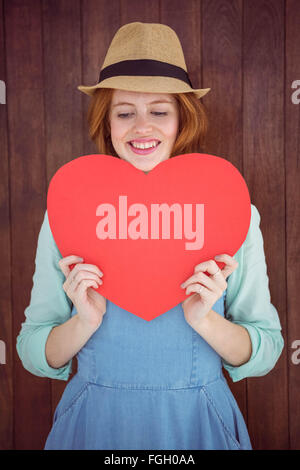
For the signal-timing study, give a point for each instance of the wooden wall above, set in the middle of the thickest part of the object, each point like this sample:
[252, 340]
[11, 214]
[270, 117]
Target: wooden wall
[248, 52]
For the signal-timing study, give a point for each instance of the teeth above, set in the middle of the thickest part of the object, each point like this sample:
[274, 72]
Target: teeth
[147, 145]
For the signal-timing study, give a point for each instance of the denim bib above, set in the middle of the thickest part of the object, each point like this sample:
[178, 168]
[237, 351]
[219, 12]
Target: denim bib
[148, 385]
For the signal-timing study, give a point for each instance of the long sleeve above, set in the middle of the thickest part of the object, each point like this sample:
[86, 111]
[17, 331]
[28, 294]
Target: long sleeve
[49, 306]
[248, 303]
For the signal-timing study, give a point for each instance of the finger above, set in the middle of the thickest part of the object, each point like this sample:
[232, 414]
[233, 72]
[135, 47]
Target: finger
[80, 267]
[84, 284]
[210, 266]
[215, 283]
[75, 279]
[231, 264]
[207, 266]
[83, 274]
[65, 262]
[194, 288]
[201, 278]
[201, 290]
[214, 286]
[87, 267]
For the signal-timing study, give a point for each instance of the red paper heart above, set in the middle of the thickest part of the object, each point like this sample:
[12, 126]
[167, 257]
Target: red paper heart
[143, 275]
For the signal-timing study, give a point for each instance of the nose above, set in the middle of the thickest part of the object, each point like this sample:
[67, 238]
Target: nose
[142, 124]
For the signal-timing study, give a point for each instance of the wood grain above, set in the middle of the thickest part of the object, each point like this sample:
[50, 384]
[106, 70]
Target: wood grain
[247, 52]
[61, 20]
[25, 108]
[222, 72]
[292, 197]
[6, 326]
[264, 169]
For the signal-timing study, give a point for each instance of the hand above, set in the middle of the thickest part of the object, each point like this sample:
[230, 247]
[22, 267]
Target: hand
[208, 289]
[90, 305]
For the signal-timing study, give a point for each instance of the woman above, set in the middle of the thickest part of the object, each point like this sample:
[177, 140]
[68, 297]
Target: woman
[157, 384]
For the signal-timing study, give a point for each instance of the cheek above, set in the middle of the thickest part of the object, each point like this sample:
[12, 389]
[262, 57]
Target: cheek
[171, 130]
[118, 129]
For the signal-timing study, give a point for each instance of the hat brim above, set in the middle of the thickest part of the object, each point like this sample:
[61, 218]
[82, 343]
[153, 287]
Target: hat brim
[147, 84]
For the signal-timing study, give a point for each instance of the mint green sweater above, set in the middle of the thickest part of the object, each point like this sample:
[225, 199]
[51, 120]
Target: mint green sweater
[247, 303]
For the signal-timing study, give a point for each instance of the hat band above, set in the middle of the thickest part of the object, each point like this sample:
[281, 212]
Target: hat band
[144, 67]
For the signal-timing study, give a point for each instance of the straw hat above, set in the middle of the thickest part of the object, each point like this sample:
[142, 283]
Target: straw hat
[145, 57]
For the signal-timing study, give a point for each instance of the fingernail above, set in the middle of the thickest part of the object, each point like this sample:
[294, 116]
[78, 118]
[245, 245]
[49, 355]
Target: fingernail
[218, 257]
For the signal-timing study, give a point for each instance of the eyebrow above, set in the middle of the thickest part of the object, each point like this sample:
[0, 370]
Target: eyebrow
[152, 102]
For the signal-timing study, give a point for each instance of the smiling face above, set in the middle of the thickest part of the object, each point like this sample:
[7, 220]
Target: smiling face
[148, 120]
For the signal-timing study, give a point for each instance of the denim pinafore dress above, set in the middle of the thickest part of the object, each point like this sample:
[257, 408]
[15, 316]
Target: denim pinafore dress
[148, 385]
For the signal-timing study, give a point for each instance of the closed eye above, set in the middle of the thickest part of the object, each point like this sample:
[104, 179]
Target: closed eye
[156, 113]
[124, 115]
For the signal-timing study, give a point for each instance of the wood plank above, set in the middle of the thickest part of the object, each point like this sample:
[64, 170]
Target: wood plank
[222, 72]
[63, 105]
[292, 159]
[6, 329]
[264, 172]
[184, 18]
[135, 10]
[100, 21]
[28, 198]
